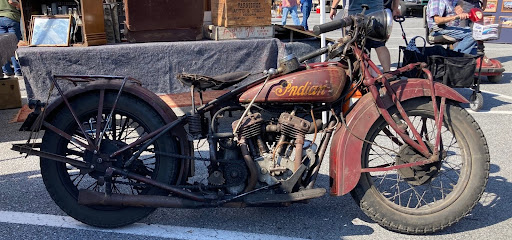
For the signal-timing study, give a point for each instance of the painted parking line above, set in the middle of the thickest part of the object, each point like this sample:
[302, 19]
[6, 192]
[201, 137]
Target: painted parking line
[497, 94]
[152, 230]
[487, 48]
[490, 111]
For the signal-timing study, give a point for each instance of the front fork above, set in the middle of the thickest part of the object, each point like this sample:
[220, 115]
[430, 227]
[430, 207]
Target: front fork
[417, 144]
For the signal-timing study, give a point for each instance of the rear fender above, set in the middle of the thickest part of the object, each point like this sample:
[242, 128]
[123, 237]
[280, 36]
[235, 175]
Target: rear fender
[346, 149]
[145, 95]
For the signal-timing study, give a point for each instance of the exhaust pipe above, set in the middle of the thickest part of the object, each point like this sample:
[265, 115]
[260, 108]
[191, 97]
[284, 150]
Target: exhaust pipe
[88, 197]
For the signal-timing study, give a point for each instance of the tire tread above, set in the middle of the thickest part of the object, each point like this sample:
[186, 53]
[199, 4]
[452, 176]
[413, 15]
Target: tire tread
[375, 216]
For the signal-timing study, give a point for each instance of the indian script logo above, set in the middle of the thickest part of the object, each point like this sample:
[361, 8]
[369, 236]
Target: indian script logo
[305, 90]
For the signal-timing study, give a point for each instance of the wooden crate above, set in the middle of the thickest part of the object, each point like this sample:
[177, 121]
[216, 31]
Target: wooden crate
[225, 33]
[241, 13]
[10, 95]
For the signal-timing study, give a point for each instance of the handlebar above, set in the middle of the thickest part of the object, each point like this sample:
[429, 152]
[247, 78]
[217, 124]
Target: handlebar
[333, 25]
[314, 54]
[399, 19]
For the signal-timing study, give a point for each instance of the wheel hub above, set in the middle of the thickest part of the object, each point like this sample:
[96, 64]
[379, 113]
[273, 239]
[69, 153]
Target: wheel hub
[416, 175]
[101, 160]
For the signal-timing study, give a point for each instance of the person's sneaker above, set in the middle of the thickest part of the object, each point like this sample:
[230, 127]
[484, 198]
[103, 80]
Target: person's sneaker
[18, 74]
[7, 75]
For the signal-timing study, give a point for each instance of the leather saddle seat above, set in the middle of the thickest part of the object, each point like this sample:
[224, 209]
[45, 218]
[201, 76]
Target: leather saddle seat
[220, 82]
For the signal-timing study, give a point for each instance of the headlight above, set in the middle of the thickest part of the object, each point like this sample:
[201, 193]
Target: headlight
[379, 25]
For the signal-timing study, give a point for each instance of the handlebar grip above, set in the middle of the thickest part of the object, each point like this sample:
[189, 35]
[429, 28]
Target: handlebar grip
[399, 19]
[333, 25]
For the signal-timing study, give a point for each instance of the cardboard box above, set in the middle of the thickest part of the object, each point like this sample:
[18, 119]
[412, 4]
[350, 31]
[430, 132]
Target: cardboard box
[10, 96]
[241, 13]
[225, 33]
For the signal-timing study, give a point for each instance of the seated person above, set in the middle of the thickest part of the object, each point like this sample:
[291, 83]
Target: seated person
[441, 19]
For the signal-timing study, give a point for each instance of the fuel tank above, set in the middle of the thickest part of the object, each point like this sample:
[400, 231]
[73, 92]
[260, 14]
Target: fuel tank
[324, 82]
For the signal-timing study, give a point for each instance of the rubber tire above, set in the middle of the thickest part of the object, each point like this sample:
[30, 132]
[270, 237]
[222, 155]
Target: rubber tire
[369, 200]
[66, 198]
[476, 101]
[495, 79]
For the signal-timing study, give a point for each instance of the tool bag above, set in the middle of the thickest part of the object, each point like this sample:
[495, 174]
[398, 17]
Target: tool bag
[452, 68]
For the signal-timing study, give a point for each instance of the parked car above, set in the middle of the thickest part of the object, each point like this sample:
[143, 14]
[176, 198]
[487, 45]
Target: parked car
[408, 6]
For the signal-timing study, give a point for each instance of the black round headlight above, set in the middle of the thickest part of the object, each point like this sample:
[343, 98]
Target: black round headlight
[379, 25]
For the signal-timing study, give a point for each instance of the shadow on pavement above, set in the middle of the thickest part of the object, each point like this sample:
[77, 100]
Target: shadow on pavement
[493, 208]
[504, 59]
[507, 78]
[326, 217]
[9, 131]
[25, 192]
[490, 100]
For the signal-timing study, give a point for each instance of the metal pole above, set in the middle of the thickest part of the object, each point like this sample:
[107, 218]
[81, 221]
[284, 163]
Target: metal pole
[322, 21]
[322, 44]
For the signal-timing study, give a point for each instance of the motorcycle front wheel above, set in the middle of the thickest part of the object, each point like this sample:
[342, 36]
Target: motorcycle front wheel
[132, 119]
[427, 198]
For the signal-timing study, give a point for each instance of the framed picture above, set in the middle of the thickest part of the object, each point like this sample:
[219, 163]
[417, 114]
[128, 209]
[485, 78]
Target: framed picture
[507, 6]
[492, 6]
[50, 30]
[489, 20]
[506, 21]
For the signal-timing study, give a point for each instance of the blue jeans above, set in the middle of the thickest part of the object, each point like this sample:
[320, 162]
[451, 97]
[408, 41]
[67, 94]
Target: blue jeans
[306, 10]
[293, 11]
[8, 25]
[466, 42]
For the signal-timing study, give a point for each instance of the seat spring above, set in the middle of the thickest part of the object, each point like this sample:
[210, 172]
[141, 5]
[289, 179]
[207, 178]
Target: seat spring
[194, 124]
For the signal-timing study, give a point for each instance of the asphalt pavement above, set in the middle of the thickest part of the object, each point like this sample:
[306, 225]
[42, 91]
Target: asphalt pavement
[27, 211]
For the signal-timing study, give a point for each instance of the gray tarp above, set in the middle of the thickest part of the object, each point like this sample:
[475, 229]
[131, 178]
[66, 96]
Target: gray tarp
[155, 64]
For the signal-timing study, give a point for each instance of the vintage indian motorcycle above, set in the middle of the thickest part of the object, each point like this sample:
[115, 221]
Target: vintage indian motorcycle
[411, 157]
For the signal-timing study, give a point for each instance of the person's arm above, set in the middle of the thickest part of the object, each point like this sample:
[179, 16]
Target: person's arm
[434, 12]
[442, 20]
[394, 8]
[333, 8]
[14, 3]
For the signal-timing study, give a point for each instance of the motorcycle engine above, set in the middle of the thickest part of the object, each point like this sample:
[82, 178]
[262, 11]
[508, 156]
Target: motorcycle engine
[273, 144]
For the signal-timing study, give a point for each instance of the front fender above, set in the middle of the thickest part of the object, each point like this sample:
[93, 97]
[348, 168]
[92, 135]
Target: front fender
[346, 149]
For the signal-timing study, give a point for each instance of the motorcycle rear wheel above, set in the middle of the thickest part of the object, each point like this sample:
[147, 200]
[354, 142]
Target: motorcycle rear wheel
[429, 198]
[132, 119]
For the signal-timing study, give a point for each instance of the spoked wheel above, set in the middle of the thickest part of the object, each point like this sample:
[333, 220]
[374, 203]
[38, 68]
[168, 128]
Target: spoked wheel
[131, 120]
[426, 198]
[476, 101]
